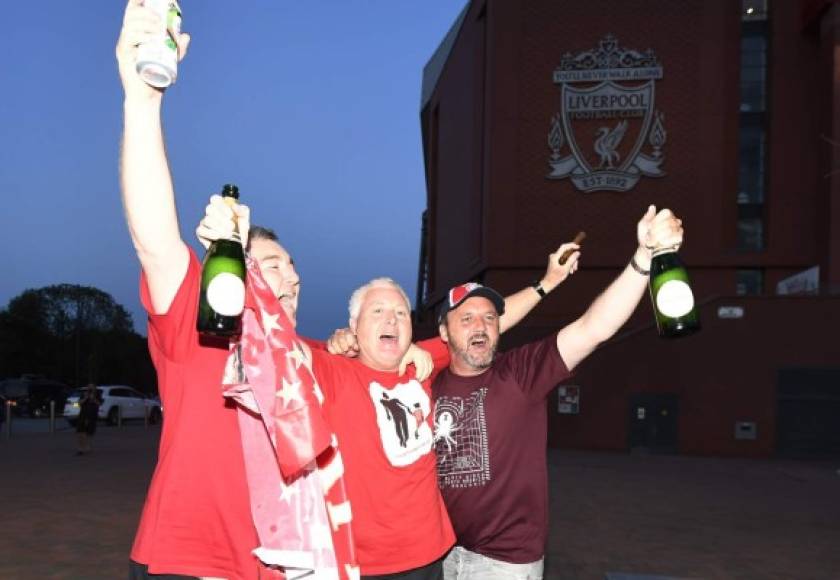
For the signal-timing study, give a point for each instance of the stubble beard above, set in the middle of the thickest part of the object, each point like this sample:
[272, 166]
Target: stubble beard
[475, 362]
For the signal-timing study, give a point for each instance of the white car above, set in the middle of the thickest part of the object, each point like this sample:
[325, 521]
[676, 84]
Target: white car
[117, 399]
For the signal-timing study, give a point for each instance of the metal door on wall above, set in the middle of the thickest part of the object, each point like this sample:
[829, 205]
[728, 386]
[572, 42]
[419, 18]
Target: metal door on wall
[653, 422]
[808, 415]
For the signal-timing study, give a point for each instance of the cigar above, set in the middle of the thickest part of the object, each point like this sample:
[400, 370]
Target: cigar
[578, 239]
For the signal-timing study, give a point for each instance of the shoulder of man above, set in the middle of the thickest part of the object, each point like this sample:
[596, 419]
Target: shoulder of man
[535, 349]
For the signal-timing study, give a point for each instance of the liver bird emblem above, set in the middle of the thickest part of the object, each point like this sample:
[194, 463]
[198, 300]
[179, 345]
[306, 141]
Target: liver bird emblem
[607, 142]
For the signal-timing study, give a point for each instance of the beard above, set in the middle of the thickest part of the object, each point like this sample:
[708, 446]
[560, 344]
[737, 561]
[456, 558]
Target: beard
[476, 361]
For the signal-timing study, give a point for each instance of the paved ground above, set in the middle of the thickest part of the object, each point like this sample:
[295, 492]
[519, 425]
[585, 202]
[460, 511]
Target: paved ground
[68, 517]
[693, 517]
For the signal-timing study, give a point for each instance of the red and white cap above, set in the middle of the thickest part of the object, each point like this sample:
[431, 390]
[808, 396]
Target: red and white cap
[456, 296]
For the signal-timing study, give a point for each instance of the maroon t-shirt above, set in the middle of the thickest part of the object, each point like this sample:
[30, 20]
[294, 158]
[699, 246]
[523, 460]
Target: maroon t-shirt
[490, 439]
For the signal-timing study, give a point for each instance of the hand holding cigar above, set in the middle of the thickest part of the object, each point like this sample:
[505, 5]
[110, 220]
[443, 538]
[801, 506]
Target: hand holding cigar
[578, 239]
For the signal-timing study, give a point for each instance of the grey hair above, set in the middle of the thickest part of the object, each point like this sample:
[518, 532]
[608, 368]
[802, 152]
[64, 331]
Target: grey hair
[358, 295]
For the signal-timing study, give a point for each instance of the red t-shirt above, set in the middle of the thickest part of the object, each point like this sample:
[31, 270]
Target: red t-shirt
[197, 517]
[384, 427]
[491, 441]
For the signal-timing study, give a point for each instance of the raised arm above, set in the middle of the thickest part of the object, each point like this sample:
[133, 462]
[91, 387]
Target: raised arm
[614, 306]
[521, 303]
[147, 192]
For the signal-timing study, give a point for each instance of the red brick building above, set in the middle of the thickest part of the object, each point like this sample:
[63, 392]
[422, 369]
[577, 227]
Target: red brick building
[543, 118]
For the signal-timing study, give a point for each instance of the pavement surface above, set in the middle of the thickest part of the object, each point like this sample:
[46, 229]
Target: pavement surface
[613, 516]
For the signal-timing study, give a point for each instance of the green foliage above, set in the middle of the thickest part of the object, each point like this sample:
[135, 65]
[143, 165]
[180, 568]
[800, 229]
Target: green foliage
[76, 334]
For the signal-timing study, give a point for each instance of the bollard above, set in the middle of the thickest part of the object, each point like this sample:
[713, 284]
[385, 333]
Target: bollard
[145, 415]
[52, 417]
[119, 415]
[7, 428]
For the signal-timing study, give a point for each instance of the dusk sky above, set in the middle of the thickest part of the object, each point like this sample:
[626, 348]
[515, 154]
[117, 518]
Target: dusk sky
[312, 108]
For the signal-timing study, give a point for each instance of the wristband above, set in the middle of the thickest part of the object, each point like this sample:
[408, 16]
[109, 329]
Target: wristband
[540, 290]
[639, 269]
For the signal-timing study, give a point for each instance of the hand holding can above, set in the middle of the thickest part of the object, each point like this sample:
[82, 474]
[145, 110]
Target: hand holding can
[157, 59]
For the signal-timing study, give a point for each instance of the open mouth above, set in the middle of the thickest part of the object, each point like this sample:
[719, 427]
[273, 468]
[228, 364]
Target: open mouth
[390, 339]
[288, 303]
[479, 341]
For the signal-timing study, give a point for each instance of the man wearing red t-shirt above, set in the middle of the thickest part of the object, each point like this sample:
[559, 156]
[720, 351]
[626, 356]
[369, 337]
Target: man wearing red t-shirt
[196, 521]
[490, 413]
[400, 526]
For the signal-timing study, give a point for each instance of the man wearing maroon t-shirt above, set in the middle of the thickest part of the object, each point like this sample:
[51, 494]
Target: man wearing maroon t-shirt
[490, 413]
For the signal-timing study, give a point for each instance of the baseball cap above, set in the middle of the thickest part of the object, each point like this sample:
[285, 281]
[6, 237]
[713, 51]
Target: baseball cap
[456, 296]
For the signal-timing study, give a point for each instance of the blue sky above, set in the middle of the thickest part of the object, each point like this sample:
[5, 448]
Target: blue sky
[312, 108]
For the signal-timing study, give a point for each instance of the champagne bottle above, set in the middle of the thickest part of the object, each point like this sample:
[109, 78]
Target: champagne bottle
[222, 297]
[670, 292]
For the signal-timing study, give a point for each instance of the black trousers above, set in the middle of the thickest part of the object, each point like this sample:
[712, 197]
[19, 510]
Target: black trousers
[433, 571]
[138, 571]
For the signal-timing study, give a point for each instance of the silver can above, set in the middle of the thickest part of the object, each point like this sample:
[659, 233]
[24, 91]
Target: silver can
[157, 60]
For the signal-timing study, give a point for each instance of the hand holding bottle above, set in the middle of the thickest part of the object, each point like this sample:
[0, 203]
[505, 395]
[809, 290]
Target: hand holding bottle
[660, 235]
[223, 274]
[657, 230]
[220, 219]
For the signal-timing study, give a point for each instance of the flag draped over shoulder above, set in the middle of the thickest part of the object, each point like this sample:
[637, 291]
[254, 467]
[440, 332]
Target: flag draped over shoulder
[294, 469]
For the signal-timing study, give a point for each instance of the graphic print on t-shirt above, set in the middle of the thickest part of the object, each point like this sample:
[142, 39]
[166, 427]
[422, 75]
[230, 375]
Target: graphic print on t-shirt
[461, 441]
[401, 414]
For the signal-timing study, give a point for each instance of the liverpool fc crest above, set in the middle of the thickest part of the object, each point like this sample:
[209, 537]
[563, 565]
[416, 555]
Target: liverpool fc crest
[608, 133]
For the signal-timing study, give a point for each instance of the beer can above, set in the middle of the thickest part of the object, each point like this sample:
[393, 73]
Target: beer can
[157, 60]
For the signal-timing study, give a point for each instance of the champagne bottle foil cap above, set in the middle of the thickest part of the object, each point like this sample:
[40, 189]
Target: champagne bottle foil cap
[230, 190]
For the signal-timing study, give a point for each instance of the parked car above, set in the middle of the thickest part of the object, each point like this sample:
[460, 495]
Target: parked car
[116, 399]
[30, 396]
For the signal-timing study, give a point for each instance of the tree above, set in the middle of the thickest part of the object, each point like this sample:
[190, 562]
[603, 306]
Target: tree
[73, 333]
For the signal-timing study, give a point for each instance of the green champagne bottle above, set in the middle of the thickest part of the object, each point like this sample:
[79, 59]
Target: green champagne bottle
[222, 297]
[670, 292]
